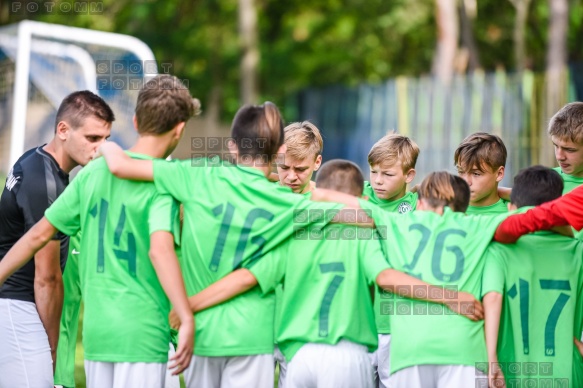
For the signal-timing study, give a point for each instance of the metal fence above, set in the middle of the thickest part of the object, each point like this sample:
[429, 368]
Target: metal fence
[436, 116]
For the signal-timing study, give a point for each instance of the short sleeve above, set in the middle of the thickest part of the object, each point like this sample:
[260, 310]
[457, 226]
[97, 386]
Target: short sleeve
[175, 178]
[270, 269]
[374, 260]
[64, 213]
[494, 275]
[31, 197]
[164, 216]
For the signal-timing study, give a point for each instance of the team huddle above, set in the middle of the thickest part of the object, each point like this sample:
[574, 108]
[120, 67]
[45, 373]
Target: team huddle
[226, 269]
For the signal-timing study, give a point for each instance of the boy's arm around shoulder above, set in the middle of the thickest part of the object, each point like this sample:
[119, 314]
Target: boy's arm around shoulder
[123, 166]
[460, 302]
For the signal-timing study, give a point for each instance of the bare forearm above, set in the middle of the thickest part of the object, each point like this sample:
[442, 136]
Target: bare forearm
[25, 248]
[228, 287]
[504, 193]
[123, 166]
[492, 309]
[170, 276]
[48, 297]
[402, 284]
[326, 195]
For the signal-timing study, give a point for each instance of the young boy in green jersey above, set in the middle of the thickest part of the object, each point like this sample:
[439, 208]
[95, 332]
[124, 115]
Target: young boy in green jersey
[429, 347]
[327, 273]
[480, 161]
[566, 132]
[392, 162]
[233, 216]
[532, 304]
[126, 331]
[303, 156]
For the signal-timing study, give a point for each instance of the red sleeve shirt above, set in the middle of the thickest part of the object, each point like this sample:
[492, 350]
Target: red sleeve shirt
[567, 210]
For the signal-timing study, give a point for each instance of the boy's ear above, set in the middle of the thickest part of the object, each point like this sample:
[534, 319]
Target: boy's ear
[135, 122]
[318, 162]
[500, 174]
[180, 129]
[511, 206]
[410, 175]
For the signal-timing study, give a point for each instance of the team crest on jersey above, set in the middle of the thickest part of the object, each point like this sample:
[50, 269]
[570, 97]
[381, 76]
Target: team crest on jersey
[11, 180]
[404, 207]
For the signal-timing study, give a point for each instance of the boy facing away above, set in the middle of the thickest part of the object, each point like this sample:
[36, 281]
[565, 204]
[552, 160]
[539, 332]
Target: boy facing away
[532, 304]
[429, 347]
[327, 272]
[392, 162]
[126, 331]
[480, 161]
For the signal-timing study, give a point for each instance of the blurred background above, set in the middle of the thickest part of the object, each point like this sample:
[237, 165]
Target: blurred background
[435, 70]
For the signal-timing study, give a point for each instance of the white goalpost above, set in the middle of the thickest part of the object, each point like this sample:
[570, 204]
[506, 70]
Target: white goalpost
[41, 63]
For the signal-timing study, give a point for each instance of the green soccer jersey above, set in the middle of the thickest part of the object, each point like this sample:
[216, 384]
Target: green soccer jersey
[279, 295]
[443, 250]
[326, 295]
[541, 280]
[499, 207]
[65, 368]
[232, 216]
[126, 309]
[571, 182]
[402, 205]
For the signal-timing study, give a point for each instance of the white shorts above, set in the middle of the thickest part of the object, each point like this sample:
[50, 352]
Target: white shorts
[280, 359]
[230, 372]
[380, 360]
[438, 376]
[344, 365]
[25, 354]
[125, 374]
[171, 381]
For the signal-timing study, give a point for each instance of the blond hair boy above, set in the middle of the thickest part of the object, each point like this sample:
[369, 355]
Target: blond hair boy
[392, 162]
[303, 157]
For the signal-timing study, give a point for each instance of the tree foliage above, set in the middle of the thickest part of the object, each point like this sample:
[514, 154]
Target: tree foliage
[310, 44]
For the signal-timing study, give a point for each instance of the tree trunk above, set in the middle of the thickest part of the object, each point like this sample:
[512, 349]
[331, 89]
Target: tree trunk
[556, 63]
[467, 37]
[250, 50]
[518, 35]
[447, 39]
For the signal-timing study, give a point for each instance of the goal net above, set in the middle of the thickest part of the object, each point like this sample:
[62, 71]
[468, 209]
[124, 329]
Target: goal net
[42, 63]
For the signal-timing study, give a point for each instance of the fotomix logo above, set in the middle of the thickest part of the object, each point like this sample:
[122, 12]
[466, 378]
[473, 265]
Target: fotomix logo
[75, 7]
